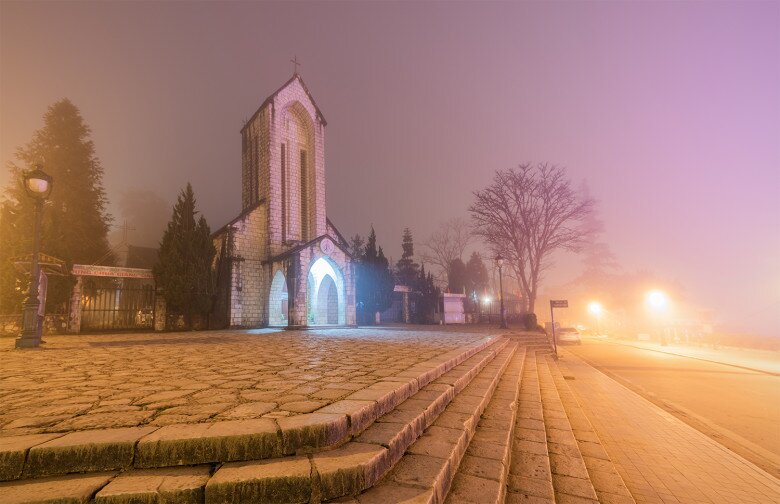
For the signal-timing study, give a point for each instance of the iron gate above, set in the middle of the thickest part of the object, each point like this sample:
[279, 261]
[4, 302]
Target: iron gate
[117, 304]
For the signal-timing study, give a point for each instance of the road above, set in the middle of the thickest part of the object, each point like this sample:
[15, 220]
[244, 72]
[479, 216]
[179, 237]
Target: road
[736, 406]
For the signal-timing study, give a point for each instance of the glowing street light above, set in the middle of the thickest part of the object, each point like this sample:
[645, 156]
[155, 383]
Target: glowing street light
[500, 263]
[596, 310]
[37, 185]
[657, 300]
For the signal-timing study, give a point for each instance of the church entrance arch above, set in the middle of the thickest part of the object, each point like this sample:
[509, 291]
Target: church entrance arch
[326, 299]
[277, 301]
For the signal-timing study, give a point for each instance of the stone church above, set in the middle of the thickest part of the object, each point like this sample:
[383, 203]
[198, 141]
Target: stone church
[281, 262]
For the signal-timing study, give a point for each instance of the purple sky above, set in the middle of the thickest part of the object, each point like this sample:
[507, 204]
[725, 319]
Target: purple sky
[671, 111]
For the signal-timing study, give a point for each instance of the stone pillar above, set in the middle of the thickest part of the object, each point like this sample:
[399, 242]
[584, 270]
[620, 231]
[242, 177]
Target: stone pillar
[159, 311]
[74, 319]
[405, 307]
[297, 290]
[351, 309]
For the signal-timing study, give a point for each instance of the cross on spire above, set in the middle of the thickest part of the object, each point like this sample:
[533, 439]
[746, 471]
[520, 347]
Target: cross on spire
[294, 61]
[125, 228]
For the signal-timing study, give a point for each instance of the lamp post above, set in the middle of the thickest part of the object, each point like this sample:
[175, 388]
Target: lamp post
[500, 262]
[37, 185]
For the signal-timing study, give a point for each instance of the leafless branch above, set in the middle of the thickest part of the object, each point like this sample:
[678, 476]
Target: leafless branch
[446, 244]
[527, 213]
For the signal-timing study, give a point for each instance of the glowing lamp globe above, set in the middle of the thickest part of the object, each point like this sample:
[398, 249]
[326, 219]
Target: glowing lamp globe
[37, 183]
[657, 300]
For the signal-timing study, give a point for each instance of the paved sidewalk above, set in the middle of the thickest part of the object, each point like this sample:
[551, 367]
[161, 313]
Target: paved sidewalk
[121, 380]
[661, 459]
[766, 361]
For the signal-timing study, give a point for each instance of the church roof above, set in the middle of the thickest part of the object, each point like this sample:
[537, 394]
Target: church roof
[309, 243]
[270, 100]
[340, 236]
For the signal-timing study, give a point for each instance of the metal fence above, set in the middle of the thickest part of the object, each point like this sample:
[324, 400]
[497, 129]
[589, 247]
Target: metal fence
[117, 304]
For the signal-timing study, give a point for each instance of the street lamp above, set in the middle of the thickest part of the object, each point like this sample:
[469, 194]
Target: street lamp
[596, 310]
[657, 300]
[500, 262]
[37, 185]
[658, 303]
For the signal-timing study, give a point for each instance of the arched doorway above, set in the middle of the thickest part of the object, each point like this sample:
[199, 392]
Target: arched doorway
[326, 294]
[277, 301]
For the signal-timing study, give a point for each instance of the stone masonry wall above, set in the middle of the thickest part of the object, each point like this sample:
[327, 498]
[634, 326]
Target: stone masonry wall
[249, 284]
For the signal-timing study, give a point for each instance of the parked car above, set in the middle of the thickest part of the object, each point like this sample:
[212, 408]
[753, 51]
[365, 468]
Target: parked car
[568, 336]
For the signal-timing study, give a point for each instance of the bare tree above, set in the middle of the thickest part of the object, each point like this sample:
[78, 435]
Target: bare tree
[447, 244]
[525, 215]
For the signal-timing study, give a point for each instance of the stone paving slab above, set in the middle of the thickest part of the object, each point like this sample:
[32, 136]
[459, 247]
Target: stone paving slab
[73, 489]
[660, 458]
[13, 452]
[175, 485]
[85, 451]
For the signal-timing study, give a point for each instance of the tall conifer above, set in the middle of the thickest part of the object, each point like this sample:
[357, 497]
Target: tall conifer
[75, 220]
[186, 253]
[406, 268]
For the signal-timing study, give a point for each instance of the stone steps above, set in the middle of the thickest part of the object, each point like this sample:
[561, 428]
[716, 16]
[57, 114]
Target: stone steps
[43, 455]
[530, 477]
[426, 471]
[555, 456]
[345, 470]
[540, 342]
[483, 473]
[570, 478]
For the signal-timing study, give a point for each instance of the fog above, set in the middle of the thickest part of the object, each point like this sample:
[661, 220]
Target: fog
[669, 111]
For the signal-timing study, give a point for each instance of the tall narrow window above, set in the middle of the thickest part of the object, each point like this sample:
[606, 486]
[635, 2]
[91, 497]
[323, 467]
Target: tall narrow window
[246, 179]
[255, 170]
[304, 199]
[283, 173]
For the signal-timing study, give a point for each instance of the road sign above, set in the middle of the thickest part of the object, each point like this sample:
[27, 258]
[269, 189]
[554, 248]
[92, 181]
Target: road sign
[556, 303]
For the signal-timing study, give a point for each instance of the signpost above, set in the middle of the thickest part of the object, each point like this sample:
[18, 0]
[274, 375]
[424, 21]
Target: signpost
[556, 303]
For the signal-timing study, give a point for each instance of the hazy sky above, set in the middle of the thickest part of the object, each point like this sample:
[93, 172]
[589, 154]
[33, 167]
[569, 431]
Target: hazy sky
[670, 111]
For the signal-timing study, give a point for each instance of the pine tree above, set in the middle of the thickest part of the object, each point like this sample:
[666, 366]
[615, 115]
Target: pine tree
[75, 221]
[406, 269]
[476, 274]
[186, 254]
[374, 283]
[356, 246]
[457, 277]
[385, 283]
[426, 298]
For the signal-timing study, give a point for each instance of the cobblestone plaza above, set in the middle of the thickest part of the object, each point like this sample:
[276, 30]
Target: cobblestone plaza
[92, 381]
[381, 415]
